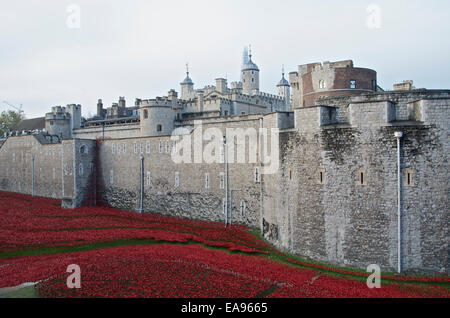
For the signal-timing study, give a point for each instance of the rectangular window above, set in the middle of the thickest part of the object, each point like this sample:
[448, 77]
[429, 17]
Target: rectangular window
[81, 170]
[222, 180]
[111, 177]
[177, 179]
[206, 180]
[148, 180]
[362, 177]
[257, 177]
[141, 148]
[352, 84]
[135, 147]
[242, 208]
[291, 174]
[167, 147]
[118, 149]
[321, 176]
[124, 148]
[222, 155]
[224, 206]
[409, 178]
[147, 146]
[160, 147]
[113, 148]
[175, 147]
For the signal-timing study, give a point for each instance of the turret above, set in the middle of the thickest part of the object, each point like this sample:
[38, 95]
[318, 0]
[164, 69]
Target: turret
[250, 77]
[187, 86]
[221, 85]
[158, 117]
[284, 91]
[100, 110]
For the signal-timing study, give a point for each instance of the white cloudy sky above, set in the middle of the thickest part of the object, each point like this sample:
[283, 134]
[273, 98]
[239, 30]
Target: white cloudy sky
[138, 48]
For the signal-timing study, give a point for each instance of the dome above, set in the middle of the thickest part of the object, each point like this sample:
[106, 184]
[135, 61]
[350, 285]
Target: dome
[187, 81]
[250, 66]
[283, 82]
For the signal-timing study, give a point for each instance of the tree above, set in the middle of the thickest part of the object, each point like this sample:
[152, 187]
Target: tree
[8, 120]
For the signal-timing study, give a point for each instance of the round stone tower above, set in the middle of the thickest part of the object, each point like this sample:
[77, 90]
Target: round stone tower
[250, 77]
[157, 117]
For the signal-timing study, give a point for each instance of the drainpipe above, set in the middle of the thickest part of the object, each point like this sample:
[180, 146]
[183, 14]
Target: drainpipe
[399, 136]
[32, 176]
[141, 200]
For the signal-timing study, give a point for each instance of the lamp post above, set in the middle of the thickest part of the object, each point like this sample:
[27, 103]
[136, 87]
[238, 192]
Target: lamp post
[141, 199]
[399, 136]
[227, 185]
[32, 176]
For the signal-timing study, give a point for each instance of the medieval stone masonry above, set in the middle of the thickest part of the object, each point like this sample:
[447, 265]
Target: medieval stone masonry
[332, 196]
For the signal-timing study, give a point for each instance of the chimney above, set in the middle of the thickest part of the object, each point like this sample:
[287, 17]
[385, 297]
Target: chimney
[122, 103]
[100, 108]
[221, 85]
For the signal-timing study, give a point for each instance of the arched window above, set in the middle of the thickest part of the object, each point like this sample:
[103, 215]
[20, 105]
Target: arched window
[159, 128]
[322, 84]
[83, 149]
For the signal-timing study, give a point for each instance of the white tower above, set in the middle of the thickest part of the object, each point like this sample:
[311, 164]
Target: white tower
[187, 86]
[250, 76]
[284, 90]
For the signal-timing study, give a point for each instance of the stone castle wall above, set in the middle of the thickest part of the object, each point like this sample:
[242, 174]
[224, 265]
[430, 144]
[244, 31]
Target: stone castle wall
[60, 170]
[339, 219]
[317, 205]
[119, 174]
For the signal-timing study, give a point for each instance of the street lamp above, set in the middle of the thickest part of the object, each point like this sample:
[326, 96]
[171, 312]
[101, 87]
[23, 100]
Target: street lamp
[399, 136]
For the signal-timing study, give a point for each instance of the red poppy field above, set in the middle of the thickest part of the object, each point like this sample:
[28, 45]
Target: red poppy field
[124, 254]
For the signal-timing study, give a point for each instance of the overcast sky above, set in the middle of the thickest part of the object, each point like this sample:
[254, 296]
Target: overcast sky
[139, 48]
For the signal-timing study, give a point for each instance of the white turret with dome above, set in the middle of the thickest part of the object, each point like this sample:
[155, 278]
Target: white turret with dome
[250, 77]
[284, 91]
[187, 86]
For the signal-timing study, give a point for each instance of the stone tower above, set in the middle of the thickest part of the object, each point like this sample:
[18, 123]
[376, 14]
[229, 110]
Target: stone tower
[284, 90]
[187, 86]
[250, 77]
[158, 115]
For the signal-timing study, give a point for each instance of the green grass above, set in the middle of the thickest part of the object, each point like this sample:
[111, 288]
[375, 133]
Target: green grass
[282, 259]
[100, 245]
[26, 292]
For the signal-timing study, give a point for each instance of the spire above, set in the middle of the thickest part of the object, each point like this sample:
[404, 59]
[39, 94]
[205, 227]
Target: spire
[187, 80]
[245, 56]
[283, 81]
[250, 66]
